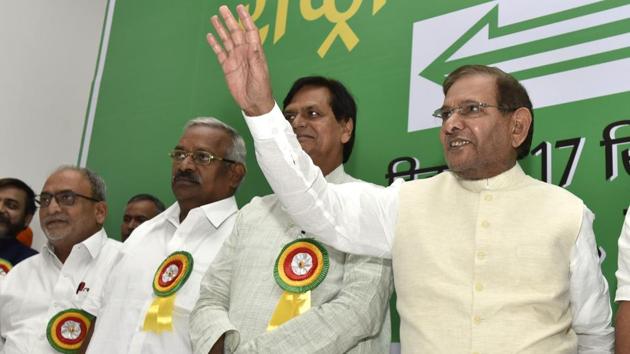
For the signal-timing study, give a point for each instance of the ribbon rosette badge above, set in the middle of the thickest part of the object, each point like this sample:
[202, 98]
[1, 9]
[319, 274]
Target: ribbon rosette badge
[5, 266]
[67, 330]
[301, 266]
[169, 278]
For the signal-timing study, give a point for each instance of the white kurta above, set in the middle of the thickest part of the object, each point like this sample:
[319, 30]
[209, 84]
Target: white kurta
[41, 286]
[129, 291]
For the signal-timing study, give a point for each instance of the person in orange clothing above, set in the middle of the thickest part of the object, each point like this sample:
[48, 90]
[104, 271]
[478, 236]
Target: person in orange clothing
[25, 236]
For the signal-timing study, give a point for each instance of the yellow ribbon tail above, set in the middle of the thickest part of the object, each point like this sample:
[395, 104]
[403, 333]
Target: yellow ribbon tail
[289, 306]
[159, 317]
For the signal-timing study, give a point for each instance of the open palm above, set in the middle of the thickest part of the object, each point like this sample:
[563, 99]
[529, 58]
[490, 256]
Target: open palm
[243, 61]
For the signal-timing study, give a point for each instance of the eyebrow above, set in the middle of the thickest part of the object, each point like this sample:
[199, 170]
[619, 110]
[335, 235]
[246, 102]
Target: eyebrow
[61, 191]
[179, 147]
[310, 106]
[11, 200]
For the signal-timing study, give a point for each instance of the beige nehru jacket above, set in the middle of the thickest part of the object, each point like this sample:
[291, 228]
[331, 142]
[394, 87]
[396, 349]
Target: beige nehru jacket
[485, 269]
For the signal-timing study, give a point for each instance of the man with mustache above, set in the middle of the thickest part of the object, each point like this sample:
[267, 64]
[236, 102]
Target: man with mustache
[155, 285]
[139, 208]
[241, 294]
[485, 258]
[17, 206]
[43, 290]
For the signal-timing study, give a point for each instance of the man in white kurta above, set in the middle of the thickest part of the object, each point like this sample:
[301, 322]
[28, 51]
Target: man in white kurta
[71, 266]
[208, 165]
[485, 258]
[348, 310]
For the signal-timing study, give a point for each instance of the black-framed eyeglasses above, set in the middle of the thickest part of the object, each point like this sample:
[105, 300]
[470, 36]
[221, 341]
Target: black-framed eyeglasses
[466, 110]
[64, 198]
[199, 157]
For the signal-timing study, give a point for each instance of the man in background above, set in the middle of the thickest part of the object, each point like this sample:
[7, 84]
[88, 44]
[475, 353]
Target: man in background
[17, 207]
[140, 208]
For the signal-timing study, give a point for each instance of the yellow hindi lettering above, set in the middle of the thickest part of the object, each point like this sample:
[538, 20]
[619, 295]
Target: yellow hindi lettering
[281, 20]
[328, 9]
[280, 26]
[341, 28]
[258, 10]
[377, 5]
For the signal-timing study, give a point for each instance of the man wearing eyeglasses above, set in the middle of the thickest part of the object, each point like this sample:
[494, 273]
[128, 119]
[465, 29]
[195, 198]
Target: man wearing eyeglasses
[153, 288]
[71, 266]
[243, 298]
[485, 258]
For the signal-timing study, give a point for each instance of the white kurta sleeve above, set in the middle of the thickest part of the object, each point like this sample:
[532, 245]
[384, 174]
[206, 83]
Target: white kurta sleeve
[352, 217]
[590, 300]
[623, 263]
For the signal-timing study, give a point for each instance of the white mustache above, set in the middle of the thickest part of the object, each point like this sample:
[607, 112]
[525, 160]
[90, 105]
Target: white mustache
[53, 218]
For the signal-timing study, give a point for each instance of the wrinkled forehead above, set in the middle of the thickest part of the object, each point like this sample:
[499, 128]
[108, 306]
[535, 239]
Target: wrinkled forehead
[472, 88]
[202, 137]
[67, 180]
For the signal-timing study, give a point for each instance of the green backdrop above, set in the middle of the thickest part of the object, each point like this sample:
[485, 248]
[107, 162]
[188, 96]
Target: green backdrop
[159, 73]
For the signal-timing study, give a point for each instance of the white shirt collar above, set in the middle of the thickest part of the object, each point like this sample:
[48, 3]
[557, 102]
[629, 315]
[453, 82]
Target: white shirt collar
[93, 244]
[219, 211]
[337, 175]
[216, 212]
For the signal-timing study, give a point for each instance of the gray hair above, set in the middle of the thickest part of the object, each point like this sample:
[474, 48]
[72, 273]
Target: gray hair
[237, 152]
[97, 184]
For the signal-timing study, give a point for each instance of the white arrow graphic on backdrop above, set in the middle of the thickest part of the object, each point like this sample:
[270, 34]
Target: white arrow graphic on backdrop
[563, 52]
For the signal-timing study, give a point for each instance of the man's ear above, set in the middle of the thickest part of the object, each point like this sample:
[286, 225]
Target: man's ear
[237, 172]
[347, 126]
[521, 122]
[100, 212]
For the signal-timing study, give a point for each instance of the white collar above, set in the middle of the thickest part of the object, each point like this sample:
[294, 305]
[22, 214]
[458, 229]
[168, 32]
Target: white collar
[93, 244]
[337, 176]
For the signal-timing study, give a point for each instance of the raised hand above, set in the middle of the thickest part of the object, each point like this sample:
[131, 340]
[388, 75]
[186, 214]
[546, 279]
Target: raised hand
[243, 61]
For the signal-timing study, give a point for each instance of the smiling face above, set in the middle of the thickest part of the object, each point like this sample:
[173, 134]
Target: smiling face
[320, 134]
[67, 225]
[480, 145]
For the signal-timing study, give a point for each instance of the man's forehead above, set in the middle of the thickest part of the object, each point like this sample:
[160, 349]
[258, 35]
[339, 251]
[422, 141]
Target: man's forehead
[67, 180]
[13, 193]
[140, 206]
[472, 88]
[200, 137]
[310, 96]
